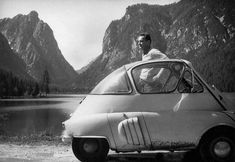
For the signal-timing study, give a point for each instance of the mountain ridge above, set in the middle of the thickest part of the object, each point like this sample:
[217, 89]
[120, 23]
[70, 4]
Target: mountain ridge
[33, 41]
[201, 32]
[16, 65]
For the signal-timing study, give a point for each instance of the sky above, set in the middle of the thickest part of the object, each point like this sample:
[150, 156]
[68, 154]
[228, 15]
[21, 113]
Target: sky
[78, 25]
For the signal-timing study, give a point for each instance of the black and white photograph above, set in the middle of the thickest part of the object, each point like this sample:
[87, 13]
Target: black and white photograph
[117, 81]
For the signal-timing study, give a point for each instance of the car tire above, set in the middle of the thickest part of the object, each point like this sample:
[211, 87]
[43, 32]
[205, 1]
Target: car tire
[90, 149]
[218, 146]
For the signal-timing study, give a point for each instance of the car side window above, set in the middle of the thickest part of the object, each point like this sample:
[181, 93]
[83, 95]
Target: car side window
[156, 77]
[188, 84]
[115, 83]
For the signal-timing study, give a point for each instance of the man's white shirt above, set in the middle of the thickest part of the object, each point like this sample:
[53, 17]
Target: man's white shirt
[148, 74]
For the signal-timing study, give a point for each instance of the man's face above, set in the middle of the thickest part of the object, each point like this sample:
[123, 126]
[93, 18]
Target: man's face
[143, 43]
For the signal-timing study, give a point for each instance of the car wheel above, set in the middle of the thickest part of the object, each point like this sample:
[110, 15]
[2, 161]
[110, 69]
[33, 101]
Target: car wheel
[90, 149]
[219, 146]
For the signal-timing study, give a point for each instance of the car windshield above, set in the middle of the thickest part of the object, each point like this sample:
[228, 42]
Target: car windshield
[115, 83]
[157, 77]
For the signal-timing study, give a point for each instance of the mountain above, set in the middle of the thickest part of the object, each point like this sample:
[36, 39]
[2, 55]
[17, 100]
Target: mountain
[33, 41]
[200, 31]
[9, 61]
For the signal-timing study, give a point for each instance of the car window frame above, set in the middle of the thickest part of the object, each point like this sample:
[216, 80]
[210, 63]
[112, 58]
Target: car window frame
[175, 88]
[128, 83]
[194, 77]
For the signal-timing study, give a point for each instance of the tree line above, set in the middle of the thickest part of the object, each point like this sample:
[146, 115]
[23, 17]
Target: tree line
[11, 85]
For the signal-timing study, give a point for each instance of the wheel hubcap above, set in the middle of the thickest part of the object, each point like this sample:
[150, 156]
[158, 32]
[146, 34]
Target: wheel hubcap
[90, 146]
[222, 149]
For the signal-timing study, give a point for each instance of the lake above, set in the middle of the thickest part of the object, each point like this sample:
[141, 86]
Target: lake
[40, 116]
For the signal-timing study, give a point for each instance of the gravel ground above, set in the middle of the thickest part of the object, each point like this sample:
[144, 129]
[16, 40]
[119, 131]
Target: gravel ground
[63, 153]
[36, 153]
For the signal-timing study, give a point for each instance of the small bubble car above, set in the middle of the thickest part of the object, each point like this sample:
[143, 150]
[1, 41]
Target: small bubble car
[153, 105]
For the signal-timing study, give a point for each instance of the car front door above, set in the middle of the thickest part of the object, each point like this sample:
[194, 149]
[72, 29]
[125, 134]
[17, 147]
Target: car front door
[175, 103]
[157, 82]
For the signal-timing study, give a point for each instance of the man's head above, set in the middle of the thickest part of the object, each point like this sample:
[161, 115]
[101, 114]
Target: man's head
[144, 42]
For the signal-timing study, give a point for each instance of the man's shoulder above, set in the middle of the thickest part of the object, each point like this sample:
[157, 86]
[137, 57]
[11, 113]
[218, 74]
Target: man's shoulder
[154, 50]
[156, 54]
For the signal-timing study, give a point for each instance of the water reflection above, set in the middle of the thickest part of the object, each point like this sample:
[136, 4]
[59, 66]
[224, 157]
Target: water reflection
[25, 117]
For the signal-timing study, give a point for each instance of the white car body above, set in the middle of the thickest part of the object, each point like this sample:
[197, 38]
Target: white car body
[132, 119]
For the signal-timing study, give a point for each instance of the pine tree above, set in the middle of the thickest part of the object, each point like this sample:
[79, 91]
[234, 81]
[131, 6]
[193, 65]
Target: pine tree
[35, 90]
[45, 82]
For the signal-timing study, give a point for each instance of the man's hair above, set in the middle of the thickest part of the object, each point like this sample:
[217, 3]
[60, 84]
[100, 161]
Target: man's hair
[146, 36]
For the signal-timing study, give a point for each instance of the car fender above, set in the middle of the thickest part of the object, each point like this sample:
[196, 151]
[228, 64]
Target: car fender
[223, 121]
[89, 126]
[231, 114]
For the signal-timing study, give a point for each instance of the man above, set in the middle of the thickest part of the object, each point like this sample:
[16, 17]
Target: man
[150, 77]
[144, 42]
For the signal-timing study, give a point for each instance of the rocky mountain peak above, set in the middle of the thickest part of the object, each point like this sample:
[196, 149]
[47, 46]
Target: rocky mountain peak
[33, 41]
[33, 14]
[33, 17]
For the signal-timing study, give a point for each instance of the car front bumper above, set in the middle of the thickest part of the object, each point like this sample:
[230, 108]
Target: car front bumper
[67, 139]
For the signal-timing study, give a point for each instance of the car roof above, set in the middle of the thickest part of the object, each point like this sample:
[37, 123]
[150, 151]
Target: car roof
[128, 66]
